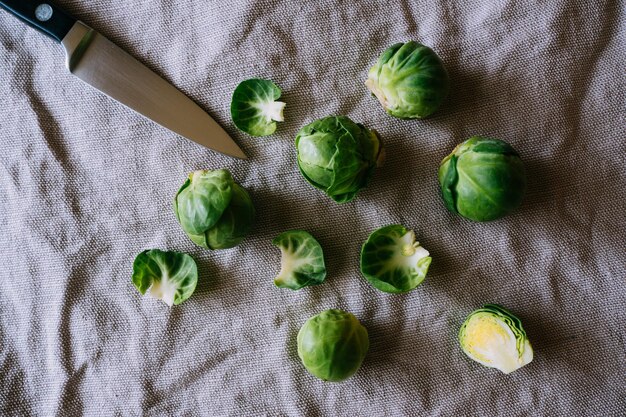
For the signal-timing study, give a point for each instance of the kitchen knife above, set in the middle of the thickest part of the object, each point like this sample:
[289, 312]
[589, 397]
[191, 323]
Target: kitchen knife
[100, 63]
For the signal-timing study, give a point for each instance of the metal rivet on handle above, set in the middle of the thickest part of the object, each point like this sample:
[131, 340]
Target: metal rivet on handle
[43, 12]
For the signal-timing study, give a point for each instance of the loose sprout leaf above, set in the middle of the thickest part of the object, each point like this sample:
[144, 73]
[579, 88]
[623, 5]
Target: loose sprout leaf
[254, 108]
[337, 156]
[302, 260]
[494, 337]
[409, 80]
[214, 211]
[332, 345]
[167, 276]
[482, 179]
[392, 261]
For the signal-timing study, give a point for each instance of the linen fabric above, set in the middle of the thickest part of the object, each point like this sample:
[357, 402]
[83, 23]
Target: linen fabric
[86, 184]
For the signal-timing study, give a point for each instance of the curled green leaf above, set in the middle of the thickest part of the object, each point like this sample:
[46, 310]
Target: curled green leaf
[302, 260]
[254, 107]
[392, 260]
[168, 276]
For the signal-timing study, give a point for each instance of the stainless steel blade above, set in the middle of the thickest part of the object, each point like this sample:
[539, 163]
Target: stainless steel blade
[100, 63]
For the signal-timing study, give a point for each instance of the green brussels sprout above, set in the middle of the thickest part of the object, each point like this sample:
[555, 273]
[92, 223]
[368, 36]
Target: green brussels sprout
[409, 80]
[392, 261]
[254, 108]
[483, 179]
[494, 337]
[332, 345]
[167, 276]
[214, 211]
[338, 156]
[302, 260]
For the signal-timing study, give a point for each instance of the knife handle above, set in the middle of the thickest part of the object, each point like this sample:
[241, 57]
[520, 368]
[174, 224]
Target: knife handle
[42, 15]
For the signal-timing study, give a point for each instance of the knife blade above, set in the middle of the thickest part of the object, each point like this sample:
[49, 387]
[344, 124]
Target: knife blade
[108, 68]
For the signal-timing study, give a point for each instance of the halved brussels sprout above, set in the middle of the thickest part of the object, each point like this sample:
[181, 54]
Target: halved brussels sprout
[338, 156]
[409, 80]
[483, 179]
[332, 345]
[167, 276]
[392, 261]
[254, 108]
[494, 337]
[302, 261]
[214, 211]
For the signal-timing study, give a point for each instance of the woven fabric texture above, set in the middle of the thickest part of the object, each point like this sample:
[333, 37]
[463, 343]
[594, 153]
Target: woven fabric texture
[86, 184]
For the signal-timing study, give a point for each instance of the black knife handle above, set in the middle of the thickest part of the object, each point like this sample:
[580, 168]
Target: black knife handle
[41, 15]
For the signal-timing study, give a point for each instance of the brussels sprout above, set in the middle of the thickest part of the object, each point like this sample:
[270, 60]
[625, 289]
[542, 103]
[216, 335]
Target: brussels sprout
[409, 80]
[302, 261]
[392, 261]
[254, 108]
[214, 211]
[482, 179]
[167, 276]
[332, 345]
[494, 337]
[337, 156]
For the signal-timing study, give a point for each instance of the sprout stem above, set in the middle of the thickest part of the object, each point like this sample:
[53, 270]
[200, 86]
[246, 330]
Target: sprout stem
[409, 250]
[273, 111]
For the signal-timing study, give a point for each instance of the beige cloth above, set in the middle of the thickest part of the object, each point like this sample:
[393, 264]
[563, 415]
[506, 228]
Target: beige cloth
[86, 184]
